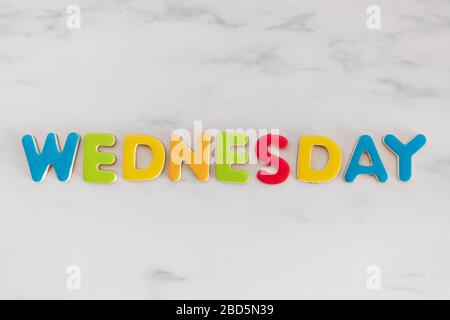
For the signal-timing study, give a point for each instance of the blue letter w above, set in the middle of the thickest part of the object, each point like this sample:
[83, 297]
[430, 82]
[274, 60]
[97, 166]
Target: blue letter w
[62, 161]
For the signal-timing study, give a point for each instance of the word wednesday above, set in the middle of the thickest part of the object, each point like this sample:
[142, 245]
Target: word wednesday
[226, 156]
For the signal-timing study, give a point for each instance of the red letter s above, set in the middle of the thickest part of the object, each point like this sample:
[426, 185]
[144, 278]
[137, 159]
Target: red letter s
[263, 154]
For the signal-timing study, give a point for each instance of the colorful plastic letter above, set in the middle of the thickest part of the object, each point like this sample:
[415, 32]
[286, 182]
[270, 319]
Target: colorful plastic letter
[198, 161]
[225, 158]
[62, 161]
[267, 158]
[366, 145]
[154, 169]
[305, 172]
[93, 158]
[404, 153]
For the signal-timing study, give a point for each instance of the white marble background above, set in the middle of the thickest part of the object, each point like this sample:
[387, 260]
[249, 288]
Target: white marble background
[305, 67]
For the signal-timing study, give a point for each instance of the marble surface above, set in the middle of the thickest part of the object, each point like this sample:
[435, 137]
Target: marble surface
[303, 67]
